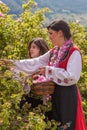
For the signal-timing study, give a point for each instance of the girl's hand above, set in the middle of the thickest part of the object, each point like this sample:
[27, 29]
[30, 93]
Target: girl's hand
[42, 70]
[35, 76]
[5, 61]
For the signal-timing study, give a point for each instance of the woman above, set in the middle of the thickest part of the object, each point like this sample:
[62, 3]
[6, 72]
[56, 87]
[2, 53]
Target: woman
[63, 65]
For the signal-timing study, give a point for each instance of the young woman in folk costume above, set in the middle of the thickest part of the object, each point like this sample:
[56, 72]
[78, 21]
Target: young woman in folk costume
[62, 65]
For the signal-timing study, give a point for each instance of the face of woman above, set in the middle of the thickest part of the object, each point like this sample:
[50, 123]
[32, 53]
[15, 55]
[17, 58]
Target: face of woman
[34, 50]
[53, 36]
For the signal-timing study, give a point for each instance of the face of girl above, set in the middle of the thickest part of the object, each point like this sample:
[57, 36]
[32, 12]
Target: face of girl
[53, 36]
[34, 50]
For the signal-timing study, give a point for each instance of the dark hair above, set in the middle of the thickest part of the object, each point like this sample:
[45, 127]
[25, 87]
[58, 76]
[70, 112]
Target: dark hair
[60, 25]
[41, 43]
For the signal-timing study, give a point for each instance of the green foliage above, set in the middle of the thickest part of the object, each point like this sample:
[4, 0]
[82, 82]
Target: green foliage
[79, 36]
[15, 35]
[4, 8]
[36, 122]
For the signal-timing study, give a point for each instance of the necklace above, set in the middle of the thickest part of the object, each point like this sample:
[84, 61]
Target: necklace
[57, 53]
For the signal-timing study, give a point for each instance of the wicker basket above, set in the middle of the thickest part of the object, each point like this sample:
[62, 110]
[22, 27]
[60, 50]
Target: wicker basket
[43, 88]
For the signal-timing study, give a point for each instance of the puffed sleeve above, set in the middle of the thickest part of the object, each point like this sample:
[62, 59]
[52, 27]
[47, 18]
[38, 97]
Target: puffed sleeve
[30, 66]
[69, 76]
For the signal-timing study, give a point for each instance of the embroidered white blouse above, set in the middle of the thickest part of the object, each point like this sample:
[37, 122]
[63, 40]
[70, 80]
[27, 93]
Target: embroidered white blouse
[60, 76]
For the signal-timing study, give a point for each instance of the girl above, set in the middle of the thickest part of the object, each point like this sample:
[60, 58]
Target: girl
[36, 47]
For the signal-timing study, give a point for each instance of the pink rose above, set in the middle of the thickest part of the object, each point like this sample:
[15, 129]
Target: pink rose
[35, 5]
[39, 79]
[1, 14]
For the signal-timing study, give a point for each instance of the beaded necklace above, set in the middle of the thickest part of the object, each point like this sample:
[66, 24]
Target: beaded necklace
[57, 53]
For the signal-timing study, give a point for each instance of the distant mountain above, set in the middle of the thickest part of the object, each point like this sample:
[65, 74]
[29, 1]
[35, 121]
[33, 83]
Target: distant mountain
[74, 6]
[65, 9]
[69, 10]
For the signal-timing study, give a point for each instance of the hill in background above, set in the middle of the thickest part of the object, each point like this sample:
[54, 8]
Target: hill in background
[69, 10]
[74, 6]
